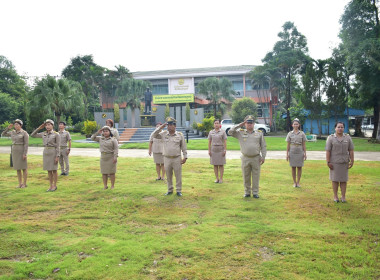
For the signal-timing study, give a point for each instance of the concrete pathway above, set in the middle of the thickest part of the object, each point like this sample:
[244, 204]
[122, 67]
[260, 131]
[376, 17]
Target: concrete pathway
[140, 153]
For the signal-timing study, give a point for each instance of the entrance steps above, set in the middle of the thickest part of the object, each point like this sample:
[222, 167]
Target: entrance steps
[142, 134]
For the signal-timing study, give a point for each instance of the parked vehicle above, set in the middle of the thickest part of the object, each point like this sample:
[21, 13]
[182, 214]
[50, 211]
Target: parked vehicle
[227, 124]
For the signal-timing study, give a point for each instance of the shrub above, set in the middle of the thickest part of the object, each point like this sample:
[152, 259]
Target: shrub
[187, 112]
[116, 112]
[167, 111]
[78, 127]
[195, 125]
[208, 123]
[4, 125]
[241, 108]
[89, 127]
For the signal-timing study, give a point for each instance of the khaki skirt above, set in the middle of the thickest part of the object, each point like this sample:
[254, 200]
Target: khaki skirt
[106, 164]
[18, 162]
[158, 158]
[296, 156]
[49, 159]
[339, 173]
[217, 157]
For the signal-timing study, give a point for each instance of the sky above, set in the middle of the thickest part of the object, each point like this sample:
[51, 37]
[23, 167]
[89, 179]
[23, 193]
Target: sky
[41, 36]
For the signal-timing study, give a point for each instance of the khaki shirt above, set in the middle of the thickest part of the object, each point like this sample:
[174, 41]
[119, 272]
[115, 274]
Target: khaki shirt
[157, 145]
[18, 138]
[51, 139]
[173, 144]
[296, 138]
[65, 137]
[107, 145]
[251, 144]
[217, 137]
[339, 149]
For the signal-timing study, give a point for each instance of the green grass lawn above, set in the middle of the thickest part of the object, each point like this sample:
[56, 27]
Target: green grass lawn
[134, 232]
[273, 144]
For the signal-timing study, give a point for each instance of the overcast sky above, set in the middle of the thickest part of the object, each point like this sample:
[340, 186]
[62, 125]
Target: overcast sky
[41, 36]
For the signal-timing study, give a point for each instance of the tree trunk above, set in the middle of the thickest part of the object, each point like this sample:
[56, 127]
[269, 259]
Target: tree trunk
[215, 109]
[376, 113]
[288, 121]
[133, 119]
[58, 120]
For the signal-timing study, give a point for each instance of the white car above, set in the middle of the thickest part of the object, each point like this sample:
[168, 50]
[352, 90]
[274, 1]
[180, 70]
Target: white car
[227, 124]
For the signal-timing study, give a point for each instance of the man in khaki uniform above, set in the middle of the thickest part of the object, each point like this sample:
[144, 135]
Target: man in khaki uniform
[65, 149]
[174, 143]
[253, 150]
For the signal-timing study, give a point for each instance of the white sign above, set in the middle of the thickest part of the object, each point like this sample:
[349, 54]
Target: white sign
[181, 86]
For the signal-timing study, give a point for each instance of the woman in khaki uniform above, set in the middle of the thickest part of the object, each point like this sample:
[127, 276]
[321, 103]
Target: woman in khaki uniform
[20, 141]
[296, 151]
[217, 147]
[51, 141]
[114, 131]
[340, 158]
[109, 150]
[156, 145]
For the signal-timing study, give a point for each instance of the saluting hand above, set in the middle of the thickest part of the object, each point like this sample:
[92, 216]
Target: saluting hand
[99, 131]
[41, 126]
[10, 126]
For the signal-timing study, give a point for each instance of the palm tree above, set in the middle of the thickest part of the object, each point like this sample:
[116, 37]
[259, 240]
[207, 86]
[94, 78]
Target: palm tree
[51, 96]
[216, 89]
[131, 91]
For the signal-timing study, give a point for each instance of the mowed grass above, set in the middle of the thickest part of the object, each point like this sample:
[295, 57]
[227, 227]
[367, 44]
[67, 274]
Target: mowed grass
[134, 232]
[273, 144]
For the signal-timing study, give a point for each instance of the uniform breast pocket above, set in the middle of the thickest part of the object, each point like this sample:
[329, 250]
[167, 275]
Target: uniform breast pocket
[345, 146]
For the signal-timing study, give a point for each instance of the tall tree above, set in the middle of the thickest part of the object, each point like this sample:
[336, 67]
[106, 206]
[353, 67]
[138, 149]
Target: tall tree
[84, 70]
[289, 56]
[56, 97]
[13, 84]
[112, 80]
[131, 91]
[338, 85]
[360, 34]
[215, 90]
[311, 95]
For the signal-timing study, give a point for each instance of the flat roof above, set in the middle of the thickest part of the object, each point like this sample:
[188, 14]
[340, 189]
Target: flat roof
[193, 72]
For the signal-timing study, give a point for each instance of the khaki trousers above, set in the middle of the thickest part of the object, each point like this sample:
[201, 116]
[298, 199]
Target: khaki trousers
[173, 164]
[64, 158]
[251, 170]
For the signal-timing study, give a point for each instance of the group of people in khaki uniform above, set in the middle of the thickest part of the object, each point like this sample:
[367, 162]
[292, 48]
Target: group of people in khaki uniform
[20, 144]
[109, 150]
[173, 143]
[253, 151]
[169, 146]
[157, 147]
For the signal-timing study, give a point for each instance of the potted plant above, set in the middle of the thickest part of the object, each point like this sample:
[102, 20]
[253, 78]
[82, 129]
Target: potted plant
[187, 115]
[195, 127]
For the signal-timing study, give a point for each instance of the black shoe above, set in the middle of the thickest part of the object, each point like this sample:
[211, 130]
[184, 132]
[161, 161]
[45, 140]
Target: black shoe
[247, 195]
[63, 173]
[336, 200]
[66, 174]
[168, 193]
[179, 194]
[256, 196]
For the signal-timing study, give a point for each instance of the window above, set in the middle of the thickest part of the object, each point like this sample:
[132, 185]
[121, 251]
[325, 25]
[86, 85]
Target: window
[160, 89]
